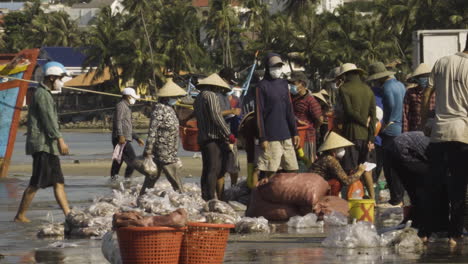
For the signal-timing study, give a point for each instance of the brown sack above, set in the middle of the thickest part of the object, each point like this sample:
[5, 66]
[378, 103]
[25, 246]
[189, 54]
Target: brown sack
[328, 204]
[299, 189]
[271, 211]
[177, 218]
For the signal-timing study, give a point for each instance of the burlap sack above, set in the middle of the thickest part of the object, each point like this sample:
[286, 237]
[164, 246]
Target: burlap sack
[328, 204]
[271, 211]
[302, 190]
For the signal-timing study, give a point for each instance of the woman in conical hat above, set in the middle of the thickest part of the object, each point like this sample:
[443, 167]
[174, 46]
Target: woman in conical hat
[328, 164]
[163, 135]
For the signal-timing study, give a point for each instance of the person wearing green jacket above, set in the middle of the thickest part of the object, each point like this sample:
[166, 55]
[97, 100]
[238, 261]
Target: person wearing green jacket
[358, 103]
[45, 142]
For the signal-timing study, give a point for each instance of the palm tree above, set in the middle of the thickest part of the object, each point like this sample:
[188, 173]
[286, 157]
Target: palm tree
[54, 29]
[179, 36]
[109, 42]
[221, 26]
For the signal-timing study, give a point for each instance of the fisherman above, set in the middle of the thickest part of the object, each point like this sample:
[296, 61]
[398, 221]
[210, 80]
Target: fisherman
[358, 106]
[413, 99]
[45, 142]
[307, 111]
[214, 136]
[393, 93]
[163, 137]
[122, 133]
[448, 150]
[231, 112]
[276, 120]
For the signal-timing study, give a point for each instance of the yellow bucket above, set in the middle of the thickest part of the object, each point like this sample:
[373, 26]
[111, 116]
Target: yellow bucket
[362, 209]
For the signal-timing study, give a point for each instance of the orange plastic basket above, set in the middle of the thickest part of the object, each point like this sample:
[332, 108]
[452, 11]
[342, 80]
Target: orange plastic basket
[150, 244]
[204, 243]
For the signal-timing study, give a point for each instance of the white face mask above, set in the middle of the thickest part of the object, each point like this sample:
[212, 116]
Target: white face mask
[58, 84]
[132, 100]
[276, 72]
[340, 153]
[172, 101]
[333, 86]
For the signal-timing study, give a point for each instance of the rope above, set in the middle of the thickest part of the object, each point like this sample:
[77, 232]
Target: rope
[90, 91]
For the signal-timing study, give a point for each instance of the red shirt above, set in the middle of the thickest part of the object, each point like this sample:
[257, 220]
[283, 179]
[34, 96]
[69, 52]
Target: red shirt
[307, 109]
[412, 108]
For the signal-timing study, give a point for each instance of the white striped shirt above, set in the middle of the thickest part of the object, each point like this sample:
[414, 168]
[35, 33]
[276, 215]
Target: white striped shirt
[210, 122]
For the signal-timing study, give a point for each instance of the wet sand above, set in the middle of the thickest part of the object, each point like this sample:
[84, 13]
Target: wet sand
[88, 179]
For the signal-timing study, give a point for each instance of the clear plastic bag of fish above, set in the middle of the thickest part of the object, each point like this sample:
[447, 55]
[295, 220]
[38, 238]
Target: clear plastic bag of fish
[360, 234]
[51, 230]
[249, 225]
[221, 207]
[145, 166]
[102, 209]
[335, 219]
[217, 218]
[306, 221]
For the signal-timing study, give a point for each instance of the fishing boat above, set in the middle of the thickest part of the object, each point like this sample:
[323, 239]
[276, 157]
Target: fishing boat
[12, 95]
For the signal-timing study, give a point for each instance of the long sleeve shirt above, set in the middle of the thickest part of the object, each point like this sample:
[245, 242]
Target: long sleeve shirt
[275, 117]
[307, 109]
[329, 168]
[412, 108]
[210, 122]
[43, 128]
[358, 102]
[163, 134]
[394, 92]
[122, 121]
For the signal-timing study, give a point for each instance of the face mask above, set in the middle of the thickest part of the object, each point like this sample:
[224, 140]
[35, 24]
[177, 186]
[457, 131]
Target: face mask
[340, 153]
[230, 93]
[58, 84]
[172, 101]
[333, 86]
[132, 100]
[293, 89]
[276, 72]
[423, 82]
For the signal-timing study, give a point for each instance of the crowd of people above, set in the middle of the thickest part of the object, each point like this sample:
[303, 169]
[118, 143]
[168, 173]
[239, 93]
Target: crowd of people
[415, 130]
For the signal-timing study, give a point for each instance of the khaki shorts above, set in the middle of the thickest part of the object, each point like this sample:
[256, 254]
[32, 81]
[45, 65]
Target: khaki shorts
[280, 154]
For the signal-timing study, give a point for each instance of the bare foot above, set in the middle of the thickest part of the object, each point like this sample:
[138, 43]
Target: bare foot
[22, 219]
[452, 242]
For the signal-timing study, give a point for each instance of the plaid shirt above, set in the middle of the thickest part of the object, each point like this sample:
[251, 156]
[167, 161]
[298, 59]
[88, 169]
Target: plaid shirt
[307, 109]
[412, 108]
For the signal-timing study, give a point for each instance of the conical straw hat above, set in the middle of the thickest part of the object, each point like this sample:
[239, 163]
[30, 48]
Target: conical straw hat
[423, 68]
[320, 96]
[214, 80]
[171, 89]
[334, 141]
[324, 92]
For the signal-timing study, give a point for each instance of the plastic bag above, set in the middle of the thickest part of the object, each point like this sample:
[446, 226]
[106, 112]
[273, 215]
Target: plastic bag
[335, 219]
[110, 248]
[252, 225]
[356, 190]
[306, 221]
[360, 234]
[145, 165]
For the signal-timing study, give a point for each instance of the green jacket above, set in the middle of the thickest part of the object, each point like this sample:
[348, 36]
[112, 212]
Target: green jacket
[43, 128]
[358, 105]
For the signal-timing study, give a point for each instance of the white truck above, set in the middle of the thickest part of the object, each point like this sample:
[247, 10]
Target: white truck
[431, 45]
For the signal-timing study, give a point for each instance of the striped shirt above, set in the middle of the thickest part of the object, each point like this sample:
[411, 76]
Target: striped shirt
[210, 122]
[307, 109]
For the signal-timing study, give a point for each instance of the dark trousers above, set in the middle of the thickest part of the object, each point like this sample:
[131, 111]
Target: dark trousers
[448, 164]
[214, 167]
[393, 181]
[128, 156]
[412, 176]
[376, 156]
